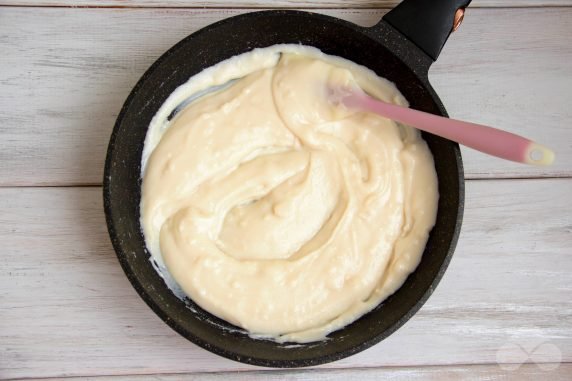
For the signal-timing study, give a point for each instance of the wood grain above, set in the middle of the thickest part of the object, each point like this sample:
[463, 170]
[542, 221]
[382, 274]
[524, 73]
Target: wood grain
[63, 83]
[68, 310]
[526, 372]
[271, 4]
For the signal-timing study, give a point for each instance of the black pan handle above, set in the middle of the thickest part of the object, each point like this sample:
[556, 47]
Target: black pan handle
[426, 23]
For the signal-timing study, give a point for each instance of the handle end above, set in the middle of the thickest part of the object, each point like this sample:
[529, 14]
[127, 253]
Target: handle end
[427, 23]
[537, 154]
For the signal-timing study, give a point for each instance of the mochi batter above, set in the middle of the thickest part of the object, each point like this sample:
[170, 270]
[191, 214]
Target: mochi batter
[277, 210]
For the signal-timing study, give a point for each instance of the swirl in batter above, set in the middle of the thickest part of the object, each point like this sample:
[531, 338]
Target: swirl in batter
[278, 211]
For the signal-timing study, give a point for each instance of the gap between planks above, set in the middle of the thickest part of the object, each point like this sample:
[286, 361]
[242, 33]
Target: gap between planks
[490, 372]
[266, 7]
[260, 4]
[99, 185]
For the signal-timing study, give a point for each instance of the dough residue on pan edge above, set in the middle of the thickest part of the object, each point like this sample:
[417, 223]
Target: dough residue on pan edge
[278, 211]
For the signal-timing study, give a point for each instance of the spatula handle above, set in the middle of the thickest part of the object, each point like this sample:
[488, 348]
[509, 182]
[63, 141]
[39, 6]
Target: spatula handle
[486, 139]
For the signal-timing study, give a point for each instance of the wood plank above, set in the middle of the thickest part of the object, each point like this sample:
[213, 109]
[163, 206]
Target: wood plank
[271, 4]
[63, 83]
[525, 372]
[68, 310]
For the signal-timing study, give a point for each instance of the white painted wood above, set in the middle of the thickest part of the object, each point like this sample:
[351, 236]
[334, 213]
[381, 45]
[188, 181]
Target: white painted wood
[67, 309]
[64, 74]
[271, 4]
[526, 372]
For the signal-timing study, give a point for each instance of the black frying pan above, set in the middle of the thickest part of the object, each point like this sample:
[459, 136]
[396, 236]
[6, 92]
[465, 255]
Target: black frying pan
[401, 47]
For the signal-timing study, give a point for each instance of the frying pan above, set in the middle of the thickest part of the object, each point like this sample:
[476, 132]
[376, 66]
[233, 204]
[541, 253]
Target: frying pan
[401, 48]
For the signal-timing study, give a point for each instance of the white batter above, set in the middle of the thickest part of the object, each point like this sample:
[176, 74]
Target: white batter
[278, 211]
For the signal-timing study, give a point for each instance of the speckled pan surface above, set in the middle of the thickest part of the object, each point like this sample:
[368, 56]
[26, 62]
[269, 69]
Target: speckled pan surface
[380, 48]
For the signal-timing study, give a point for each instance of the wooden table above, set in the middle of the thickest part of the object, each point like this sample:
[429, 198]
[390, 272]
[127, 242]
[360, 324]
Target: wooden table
[502, 311]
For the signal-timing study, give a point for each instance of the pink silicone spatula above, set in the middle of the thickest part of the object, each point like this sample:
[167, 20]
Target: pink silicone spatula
[489, 140]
